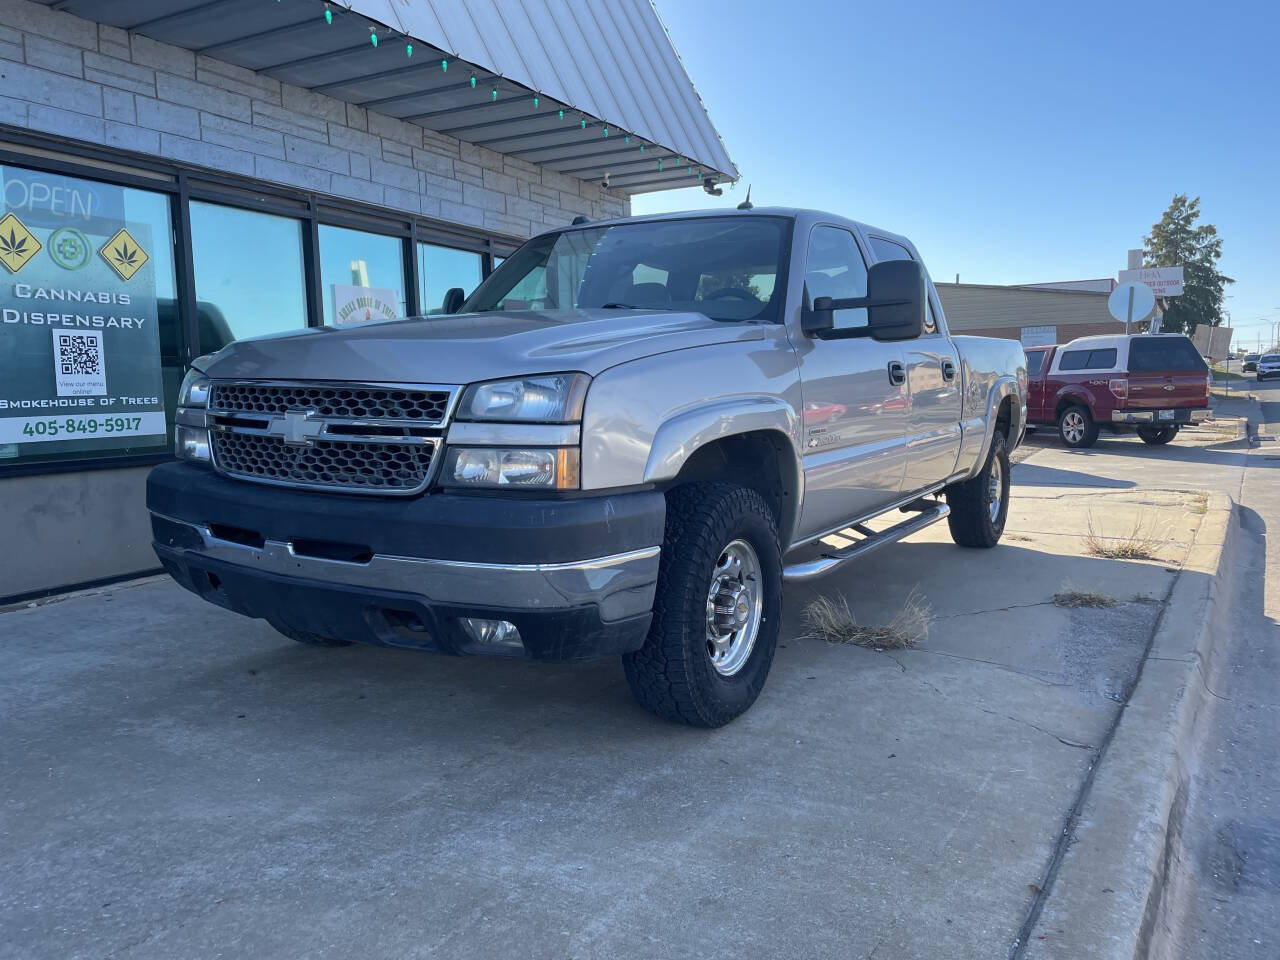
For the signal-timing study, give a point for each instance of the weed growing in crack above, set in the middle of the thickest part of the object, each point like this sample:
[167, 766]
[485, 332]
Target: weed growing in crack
[1070, 597]
[833, 621]
[1138, 544]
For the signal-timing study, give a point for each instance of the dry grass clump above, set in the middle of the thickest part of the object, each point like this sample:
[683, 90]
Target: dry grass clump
[1138, 544]
[1070, 597]
[833, 621]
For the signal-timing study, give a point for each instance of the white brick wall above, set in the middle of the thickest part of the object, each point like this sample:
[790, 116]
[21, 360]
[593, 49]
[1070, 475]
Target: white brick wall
[73, 78]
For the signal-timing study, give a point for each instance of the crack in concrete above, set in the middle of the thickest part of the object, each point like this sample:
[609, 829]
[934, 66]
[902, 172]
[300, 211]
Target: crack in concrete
[1048, 733]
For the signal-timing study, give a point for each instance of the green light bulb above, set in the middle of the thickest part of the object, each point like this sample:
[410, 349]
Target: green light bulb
[328, 16]
[535, 101]
[373, 37]
[584, 123]
[627, 139]
[494, 95]
[408, 49]
[561, 114]
[642, 148]
[473, 81]
[444, 65]
[659, 166]
[606, 131]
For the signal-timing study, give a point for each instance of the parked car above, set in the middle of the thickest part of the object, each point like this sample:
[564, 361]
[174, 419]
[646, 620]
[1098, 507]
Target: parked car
[1250, 362]
[1155, 383]
[627, 439]
[1268, 366]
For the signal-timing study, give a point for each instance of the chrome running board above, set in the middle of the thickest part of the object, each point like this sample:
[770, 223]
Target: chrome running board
[831, 558]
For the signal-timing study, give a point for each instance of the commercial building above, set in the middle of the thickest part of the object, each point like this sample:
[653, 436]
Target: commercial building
[179, 173]
[1035, 314]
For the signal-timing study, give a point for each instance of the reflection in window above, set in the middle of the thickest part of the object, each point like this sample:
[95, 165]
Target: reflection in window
[835, 269]
[361, 276]
[440, 269]
[249, 276]
[108, 387]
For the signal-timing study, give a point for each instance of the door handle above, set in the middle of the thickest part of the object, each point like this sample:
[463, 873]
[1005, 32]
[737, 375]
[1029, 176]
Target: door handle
[897, 373]
[948, 369]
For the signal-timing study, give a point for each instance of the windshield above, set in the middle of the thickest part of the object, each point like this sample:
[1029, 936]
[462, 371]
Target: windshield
[724, 267]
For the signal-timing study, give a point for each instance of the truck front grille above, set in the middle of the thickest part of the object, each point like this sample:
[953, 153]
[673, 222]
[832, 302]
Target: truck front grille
[336, 464]
[354, 402]
[344, 437]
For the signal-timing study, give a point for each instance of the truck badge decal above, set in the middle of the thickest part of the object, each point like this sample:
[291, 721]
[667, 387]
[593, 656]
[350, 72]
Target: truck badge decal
[296, 427]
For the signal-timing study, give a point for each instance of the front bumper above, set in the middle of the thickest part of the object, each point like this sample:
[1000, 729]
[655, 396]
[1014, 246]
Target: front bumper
[406, 573]
[1178, 416]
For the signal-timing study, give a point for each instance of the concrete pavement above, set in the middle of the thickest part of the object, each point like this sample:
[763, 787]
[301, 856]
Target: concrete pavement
[178, 781]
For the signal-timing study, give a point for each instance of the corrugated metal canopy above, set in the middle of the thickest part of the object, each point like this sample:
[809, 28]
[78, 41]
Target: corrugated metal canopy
[629, 108]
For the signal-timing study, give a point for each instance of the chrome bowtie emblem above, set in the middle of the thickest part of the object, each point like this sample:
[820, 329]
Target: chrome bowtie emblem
[296, 427]
[1169, 387]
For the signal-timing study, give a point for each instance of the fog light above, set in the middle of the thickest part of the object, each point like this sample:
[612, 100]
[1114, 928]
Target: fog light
[496, 633]
[191, 443]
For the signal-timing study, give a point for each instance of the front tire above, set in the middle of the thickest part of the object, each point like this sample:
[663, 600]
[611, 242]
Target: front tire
[1157, 436]
[717, 609]
[980, 506]
[1076, 427]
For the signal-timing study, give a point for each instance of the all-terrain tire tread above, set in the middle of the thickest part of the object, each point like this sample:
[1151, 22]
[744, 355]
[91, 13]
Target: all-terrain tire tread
[969, 520]
[660, 673]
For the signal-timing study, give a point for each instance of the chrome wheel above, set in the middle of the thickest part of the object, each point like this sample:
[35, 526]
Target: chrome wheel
[995, 489]
[1073, 426]
[735, 603]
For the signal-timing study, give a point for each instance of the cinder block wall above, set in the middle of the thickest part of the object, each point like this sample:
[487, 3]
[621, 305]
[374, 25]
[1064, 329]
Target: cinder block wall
[82, 80]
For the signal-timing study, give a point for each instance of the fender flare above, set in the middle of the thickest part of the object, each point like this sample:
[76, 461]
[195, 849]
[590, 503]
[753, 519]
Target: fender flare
[1075, 394]
[680, 436]
[1004, 387]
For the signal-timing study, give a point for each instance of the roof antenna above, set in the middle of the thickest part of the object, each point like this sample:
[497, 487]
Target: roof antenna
[746, 204]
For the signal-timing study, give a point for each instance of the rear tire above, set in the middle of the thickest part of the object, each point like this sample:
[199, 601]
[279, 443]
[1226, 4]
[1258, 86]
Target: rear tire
[980, 506]
[1076, 427]
[311, 639]
[1157, 436]
[683, 673]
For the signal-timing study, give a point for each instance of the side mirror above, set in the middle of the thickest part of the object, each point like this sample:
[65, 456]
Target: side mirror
[453, 298]
[895, 302]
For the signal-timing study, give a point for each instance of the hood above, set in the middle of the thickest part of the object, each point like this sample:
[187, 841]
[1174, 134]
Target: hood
[469, 347]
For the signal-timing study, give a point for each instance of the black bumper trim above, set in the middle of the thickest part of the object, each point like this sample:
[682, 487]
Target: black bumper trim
[390, 619]
[476, 529]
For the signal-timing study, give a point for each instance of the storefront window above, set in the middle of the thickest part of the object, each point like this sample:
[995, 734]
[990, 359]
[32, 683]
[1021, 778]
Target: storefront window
[361, 276]
[90, 347]
[249, 274]
[440, 269]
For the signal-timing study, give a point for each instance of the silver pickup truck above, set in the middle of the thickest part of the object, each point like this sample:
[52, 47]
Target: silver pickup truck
[622, 443]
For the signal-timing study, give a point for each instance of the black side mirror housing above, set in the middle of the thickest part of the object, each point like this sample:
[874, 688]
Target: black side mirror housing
[895, 302]
[453, 298]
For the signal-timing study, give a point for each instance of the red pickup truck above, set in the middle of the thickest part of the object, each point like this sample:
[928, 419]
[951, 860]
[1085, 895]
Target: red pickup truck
[1154, 382]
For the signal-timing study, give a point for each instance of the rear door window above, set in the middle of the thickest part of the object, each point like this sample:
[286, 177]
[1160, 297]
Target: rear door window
[1088, 359]
[1164, 354]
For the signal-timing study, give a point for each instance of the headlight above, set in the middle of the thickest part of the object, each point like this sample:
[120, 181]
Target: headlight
[552, 398]
[554, 468]
[194, 391]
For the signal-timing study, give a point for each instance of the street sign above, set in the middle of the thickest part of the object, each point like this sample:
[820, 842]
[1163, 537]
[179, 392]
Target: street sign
[1163, 281]
[1131, 302]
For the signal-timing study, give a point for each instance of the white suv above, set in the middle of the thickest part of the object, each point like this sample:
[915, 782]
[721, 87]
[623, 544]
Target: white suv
[1269, 366]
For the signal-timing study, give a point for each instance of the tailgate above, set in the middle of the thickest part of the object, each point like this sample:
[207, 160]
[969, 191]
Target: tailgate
[1159, 391]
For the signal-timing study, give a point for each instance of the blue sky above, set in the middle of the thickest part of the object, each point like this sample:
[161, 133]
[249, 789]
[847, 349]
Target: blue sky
[1013, 142]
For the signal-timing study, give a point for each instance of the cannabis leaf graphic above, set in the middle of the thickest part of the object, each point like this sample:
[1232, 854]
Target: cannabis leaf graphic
[124, 256]
[12, 245]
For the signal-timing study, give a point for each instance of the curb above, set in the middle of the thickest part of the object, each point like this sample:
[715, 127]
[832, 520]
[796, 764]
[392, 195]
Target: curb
[1106, 897]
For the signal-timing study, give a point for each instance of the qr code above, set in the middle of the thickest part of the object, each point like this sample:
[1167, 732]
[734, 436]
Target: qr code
[78, 364]
[80, 354]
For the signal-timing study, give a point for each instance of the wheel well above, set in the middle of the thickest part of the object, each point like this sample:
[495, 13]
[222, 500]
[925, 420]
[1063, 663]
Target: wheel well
[1068, 402]
[1004, 418]
[761, 460]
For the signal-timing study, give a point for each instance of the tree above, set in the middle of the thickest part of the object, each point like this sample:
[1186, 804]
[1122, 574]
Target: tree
[1176, 240]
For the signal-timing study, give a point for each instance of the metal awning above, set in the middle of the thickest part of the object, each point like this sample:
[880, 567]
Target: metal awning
[583, 87]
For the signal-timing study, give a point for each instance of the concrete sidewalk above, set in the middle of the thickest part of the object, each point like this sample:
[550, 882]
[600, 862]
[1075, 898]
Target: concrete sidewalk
[178, 781]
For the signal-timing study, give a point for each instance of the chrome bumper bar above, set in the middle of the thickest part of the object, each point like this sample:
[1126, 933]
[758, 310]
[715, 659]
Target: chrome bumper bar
[622, 585]
[1151, 416]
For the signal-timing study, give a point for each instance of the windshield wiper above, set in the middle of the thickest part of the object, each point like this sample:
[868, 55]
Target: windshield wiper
[630, 306]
